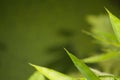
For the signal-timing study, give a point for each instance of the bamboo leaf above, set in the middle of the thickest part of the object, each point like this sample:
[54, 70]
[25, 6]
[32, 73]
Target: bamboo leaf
[82, 67]
[102, 57]
[52, 74]
[115, 24]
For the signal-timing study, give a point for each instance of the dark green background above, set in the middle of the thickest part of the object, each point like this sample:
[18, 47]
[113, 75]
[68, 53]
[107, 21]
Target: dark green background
[36, 31]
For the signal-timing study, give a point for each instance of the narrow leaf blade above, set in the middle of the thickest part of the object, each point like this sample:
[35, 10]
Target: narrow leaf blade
[115, 24]
[101, 58]
[52, 74]
[83, 68]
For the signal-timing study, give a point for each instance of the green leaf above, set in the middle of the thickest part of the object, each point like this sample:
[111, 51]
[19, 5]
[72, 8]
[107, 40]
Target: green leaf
[102, 57]
[82, 67]
[115, 24]
[37, 76]
[52, 74]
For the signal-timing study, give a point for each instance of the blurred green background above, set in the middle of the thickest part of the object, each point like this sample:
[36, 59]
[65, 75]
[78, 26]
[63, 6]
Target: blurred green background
[36, 31]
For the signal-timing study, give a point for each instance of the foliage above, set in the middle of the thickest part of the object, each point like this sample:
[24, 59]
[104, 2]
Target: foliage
[107, 36]
[112, 53]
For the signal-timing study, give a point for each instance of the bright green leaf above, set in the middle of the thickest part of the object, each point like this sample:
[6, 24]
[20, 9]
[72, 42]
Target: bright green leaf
[82, 67]
[115, 24]
[37, 76]
[102, 57]
[52, 74]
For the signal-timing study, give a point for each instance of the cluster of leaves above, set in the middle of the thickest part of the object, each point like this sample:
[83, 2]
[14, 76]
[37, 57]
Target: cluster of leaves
[108, 40]
[104, 35]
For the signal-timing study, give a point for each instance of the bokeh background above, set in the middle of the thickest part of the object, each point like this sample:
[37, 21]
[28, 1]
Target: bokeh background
[36, 31]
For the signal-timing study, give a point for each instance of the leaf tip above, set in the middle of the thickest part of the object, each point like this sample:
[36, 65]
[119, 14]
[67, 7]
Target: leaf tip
[67, 51]
[30, 64]
[35, 66]
[108, 11]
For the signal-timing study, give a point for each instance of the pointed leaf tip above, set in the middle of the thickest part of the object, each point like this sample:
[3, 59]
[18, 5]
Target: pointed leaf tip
[32, 65]
[106, 9]
[66, 51]
[52, 74]
[115, 24]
